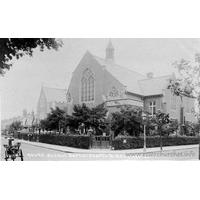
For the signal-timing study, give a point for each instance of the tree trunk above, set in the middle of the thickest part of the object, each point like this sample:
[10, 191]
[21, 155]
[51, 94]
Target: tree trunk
[160, 130]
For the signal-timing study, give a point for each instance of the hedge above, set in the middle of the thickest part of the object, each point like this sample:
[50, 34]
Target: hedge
[26, 136]
[77, 141]
[128, 142]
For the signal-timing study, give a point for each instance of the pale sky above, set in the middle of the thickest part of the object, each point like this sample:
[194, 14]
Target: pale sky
[21, 85]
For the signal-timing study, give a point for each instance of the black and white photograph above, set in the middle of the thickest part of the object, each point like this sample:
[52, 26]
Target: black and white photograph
[100, 99]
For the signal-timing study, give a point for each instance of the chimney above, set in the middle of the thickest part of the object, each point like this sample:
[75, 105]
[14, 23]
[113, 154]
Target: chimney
[150, 75]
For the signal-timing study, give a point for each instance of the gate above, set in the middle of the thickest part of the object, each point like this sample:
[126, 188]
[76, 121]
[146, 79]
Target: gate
[101, 142]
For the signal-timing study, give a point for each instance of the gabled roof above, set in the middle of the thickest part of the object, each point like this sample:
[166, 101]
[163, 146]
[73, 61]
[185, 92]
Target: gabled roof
[27, 120]
[125, 76]
[54, 94]
[154, 86]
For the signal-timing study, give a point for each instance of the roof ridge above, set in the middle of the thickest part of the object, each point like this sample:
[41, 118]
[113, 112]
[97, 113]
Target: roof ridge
[154, 78]
[54, 88]
[119, 66]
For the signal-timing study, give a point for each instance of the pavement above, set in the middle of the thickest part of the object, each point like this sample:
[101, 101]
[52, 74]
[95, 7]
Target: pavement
[102, 151]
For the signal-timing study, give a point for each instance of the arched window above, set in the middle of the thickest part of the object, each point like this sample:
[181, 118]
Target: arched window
[87, 86]
[69, 98]
[173, 101]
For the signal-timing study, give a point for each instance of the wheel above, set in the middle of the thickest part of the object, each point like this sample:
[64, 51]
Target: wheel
[6, 156]
[13, 156]
[21, 155]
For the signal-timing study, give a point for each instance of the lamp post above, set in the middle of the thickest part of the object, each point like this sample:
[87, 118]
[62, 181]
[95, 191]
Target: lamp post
[199, 144]
[144, 117]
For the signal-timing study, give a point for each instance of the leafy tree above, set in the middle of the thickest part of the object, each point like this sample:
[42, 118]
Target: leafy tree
[90, 117]
[15, 126]
[127, 121]
[161, 120]
[189, 74]
[173, 126]
[18, 47]
[44, 124]
[54, 120]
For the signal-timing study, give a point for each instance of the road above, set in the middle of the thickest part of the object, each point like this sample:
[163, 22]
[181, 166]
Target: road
[35, 153]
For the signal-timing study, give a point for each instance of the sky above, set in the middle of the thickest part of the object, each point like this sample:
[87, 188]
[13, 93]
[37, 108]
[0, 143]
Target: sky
[21, 85]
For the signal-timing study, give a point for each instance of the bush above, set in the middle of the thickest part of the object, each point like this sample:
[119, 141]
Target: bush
[77, 141]
[123, 142]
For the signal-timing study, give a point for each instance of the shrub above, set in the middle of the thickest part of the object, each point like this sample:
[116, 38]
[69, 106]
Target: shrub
[77, 141]
[124, 142]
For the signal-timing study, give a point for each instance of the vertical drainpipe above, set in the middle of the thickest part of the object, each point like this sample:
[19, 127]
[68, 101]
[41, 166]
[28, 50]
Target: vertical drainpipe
[163, 102]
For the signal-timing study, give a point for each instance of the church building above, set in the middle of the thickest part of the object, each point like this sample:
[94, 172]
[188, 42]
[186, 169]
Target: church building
[96, 80]
[50, 98]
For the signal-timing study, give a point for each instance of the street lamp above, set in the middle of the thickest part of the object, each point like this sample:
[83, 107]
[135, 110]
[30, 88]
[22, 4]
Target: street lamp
[143, 118]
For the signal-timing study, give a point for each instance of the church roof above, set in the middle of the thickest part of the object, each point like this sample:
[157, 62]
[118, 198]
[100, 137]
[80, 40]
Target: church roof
[154, 86]
[54, 94]
[126, 77]
[134, 82]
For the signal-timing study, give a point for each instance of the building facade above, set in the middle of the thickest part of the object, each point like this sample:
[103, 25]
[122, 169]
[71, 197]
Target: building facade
[50, 98]
[96, 80]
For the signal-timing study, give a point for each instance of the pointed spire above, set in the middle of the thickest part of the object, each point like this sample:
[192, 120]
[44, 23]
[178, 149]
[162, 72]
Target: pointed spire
[110, 45]
[110, 51]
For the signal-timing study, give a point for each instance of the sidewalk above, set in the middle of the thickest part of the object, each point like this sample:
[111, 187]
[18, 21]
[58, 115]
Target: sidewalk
[104, 151]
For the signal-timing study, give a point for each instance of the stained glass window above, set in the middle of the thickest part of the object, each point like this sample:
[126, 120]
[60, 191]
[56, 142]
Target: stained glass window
[87, 86]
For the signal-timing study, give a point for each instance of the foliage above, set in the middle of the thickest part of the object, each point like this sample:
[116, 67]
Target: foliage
[54, 120]
[191, 128]
[15, 126]
[127, 121]
[90, 117]
[127, 142]
[77, 141]
[18, 47]
[173, 126]
[190, 75]
[162, 121]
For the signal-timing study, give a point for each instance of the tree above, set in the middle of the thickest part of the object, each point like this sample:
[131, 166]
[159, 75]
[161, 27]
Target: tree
[55, 118]
[18, 47]
[90, 117]
[44, 124]
[191, 76]
[127, 121]
[161, 120]
[15, 126]
[188, 85]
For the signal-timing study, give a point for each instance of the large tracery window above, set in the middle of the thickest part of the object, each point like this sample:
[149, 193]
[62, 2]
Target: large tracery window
[87, 86]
